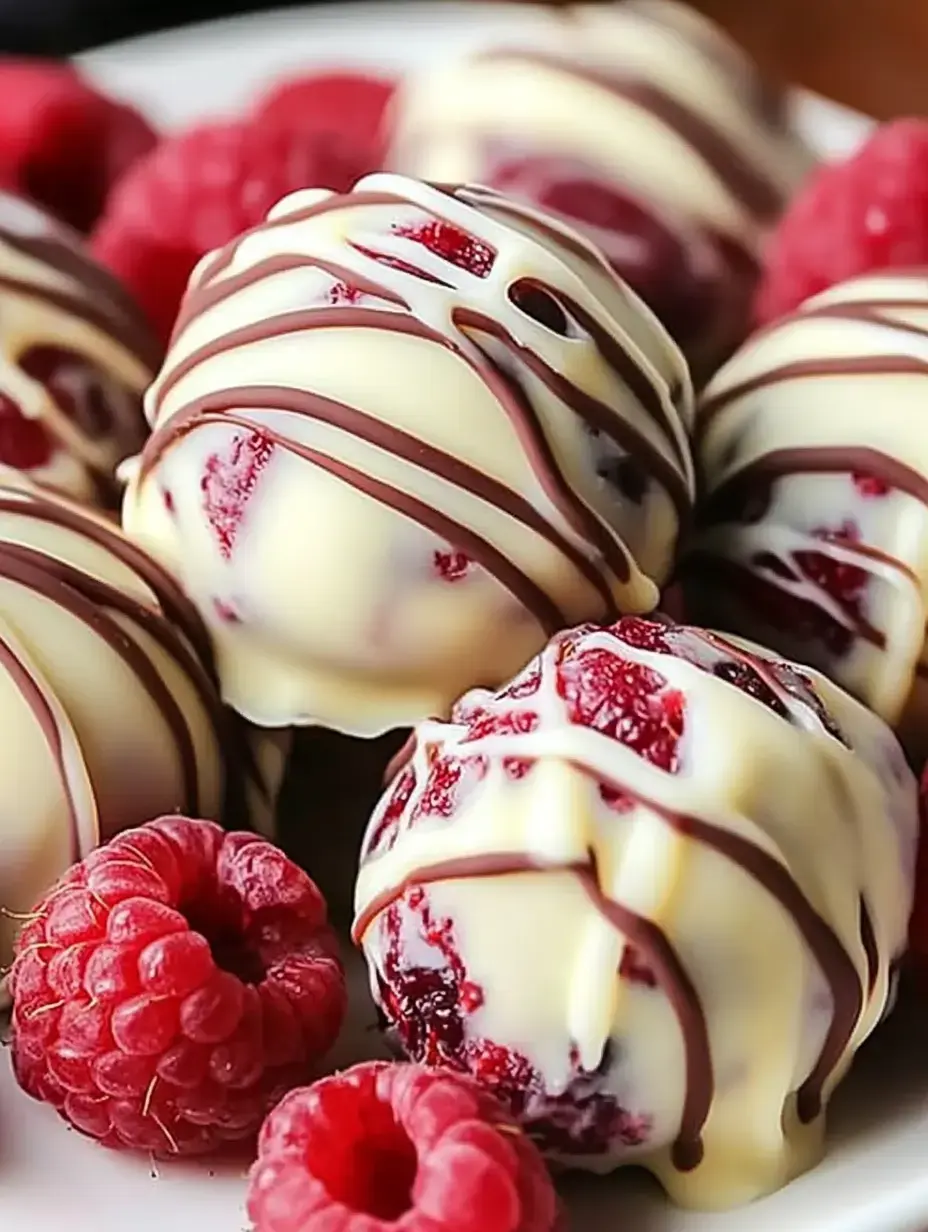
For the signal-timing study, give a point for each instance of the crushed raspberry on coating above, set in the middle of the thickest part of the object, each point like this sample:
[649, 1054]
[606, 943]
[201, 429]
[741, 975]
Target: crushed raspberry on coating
[199, 189]
[859, 216]
[918, 929]
[228, 483]
[63, 143]
[171, 987]
[24, 443]
[453, 245]
[429, 1008]
[385, 1146]
[453, 565]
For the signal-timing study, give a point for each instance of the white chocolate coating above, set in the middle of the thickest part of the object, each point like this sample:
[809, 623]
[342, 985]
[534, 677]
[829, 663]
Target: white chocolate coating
[765, 878]
[109, 716]
[380, 478]
[75, 358]
[832, 392]
[646, 95]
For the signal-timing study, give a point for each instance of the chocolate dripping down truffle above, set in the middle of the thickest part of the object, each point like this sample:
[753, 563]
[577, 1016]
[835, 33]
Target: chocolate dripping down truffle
[642, 125]
[813, 533]
[401, 437]
[75, 358]
[652, 893]
[111, 711]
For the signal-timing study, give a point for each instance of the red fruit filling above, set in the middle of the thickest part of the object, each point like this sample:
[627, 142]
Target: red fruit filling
[229, 482]
[452, 566]
[172, 986]
[24, 443]
[384, 1147]
[453, 245]
[429, 1007]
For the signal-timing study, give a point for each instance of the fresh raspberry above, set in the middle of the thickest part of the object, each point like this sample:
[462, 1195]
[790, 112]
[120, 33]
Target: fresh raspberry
[865, 214]
[200, 189]
[171, 988]
[351, 104]
[386, 1146]
[918, 930]
[62, 142]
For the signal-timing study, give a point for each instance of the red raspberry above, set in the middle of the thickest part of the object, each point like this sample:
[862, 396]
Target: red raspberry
[352, 104]
[868, 213]
[197, 191]
[171, 988]
[918, 931]
[387, 1146]
[62, 143]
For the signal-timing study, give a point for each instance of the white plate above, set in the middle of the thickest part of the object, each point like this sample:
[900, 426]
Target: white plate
[876, 1176]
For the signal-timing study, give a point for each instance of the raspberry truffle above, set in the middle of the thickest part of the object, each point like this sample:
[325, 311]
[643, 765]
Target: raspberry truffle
[641, 125]
[401, 437]
[109, 713]
[651, 893]
[813, 531]
[75, 358]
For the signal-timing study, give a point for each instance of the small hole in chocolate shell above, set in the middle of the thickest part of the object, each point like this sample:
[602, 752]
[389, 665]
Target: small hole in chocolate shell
[538, 303]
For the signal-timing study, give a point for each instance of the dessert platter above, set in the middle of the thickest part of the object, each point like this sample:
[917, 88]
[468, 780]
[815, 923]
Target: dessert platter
[463, 594]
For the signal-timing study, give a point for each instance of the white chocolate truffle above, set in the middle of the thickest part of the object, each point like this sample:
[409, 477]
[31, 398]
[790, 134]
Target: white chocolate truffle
[641, 124]
[652, 894]
[75, 359]
[814, 534]
[110, 715]
[400, 438]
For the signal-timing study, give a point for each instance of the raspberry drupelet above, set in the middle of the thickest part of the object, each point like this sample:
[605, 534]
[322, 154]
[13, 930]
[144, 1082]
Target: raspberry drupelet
[173, 986]
[649, 894]
[386, 1146]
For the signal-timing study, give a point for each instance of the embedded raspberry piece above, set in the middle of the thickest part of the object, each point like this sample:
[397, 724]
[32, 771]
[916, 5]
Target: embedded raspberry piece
[172, 985]
[866, 214]
[452, 245]
[229, 482]
[453, 565]
[385, 1146]
[429, 1008]
[625, 700]
[843, 582]
[870, 485]
[24, 443]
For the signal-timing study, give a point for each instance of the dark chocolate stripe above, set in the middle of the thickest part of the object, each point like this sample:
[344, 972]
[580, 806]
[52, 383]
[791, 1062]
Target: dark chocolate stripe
[528, 593]
[177, 608]
[675, 983]
[36, 701]
[746, 183]
[593, 412]
[391, 440]
[87, 600]
[871, 949]
[835, 963]
[813, 460]
[211, 293]
[849, 365]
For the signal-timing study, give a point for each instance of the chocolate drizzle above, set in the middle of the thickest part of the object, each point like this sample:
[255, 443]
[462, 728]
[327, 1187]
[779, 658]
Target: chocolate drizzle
[106, 609]
[836, 965]
[597, 553]
[746, 183]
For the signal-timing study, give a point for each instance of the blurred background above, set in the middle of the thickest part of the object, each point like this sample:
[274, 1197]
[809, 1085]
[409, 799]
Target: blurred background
[870, 54]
